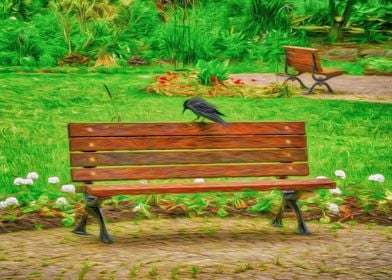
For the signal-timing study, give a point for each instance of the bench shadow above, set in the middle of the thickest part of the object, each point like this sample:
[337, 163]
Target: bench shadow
[187, 235]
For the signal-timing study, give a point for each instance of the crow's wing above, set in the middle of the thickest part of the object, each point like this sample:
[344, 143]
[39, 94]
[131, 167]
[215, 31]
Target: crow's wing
[215, 117]
[205, 109]
[200, 106]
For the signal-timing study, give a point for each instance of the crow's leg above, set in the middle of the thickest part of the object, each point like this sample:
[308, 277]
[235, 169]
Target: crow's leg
[198, 117]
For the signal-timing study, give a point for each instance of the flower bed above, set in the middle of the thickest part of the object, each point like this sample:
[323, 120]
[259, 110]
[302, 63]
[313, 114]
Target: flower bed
[188, 84]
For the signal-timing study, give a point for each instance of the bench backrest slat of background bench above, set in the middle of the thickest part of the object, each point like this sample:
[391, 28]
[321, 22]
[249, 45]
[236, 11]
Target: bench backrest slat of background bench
[131, 151]
[301, 59]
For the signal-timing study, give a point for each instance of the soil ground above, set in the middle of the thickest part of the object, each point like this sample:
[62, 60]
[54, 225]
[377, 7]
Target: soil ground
[347, 87]
[200, 248]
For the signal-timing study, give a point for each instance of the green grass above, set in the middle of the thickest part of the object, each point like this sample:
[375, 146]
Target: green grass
[36, 108]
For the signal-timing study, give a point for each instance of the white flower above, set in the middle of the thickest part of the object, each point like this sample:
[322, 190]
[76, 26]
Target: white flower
[143, 182]
[3, 204]
[11, 201]
[13, 18]
[136, 208]
[199, 180]
[68, 188]
[335, 191]
[32, 176]
[27, 181]
[61, 201]
[321, 177]
[333, 208]
[377, 178]
[53, 180]
[341, 174]
[19, 181]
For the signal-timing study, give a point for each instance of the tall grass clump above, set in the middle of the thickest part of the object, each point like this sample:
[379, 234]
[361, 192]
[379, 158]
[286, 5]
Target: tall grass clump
[263, 16]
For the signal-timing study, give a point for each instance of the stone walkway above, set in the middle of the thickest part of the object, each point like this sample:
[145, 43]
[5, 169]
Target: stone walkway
[200, 248]
[365, 88]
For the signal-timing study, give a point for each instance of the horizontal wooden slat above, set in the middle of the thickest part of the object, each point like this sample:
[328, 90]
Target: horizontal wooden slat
[186, 157]
[195, 171]
[301, 59]
[299, 49]
[179, 129]
[185, 142]
[261, 185]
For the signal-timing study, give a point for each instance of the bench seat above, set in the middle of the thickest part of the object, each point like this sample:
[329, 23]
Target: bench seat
[183, 187]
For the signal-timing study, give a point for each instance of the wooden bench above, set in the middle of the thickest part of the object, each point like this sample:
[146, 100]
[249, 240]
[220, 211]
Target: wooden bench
[135, 151]
[306, 60]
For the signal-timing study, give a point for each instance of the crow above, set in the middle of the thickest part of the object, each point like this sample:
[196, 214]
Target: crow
[204, 109]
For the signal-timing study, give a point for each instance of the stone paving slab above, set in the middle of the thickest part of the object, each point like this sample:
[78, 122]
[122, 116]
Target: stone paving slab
[347, 87]
[200, 248]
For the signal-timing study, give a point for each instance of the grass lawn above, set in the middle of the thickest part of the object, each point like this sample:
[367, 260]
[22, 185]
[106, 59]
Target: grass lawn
[36, 108]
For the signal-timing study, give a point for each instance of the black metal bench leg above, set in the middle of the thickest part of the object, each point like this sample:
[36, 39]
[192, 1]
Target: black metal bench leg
[93, 209]
[295, 78]
[104, 236]
[310, 90]
[277, 221]
[319, 83]
[330, 90]
[292, 201]
[81, 227]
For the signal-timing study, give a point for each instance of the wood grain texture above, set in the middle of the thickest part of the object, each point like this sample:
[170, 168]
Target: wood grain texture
[189, 171]
[260, 185]
[186, 157]
[186, 142]
[181, 129]
[301, 59]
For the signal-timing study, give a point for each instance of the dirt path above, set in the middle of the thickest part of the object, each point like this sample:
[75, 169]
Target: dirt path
[213, 248]
[365, 88]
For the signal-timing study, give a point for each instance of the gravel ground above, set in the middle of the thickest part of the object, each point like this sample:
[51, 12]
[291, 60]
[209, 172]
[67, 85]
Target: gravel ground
[364, 88]
[200, 248]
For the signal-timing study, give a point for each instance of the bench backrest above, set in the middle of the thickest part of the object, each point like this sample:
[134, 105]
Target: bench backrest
[302, 59]
[134, 151]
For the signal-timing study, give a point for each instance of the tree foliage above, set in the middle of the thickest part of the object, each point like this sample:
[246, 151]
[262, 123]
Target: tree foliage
[40, 32]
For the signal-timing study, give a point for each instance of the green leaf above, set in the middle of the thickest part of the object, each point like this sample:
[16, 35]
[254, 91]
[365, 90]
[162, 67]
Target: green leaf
[8, 217]
[325, 220]
[43, 199]
[304, 208]
[68, 221]
[264, 205]
[30, 209]
[336, 226]
[222, 212]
